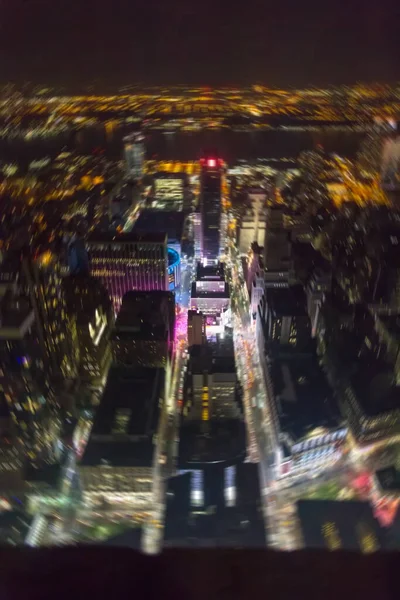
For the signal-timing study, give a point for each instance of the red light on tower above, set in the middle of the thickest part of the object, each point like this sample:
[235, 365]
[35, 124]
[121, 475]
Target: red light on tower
[211, 162]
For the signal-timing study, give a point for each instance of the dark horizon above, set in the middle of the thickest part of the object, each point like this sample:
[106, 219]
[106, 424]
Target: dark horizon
[113, 43]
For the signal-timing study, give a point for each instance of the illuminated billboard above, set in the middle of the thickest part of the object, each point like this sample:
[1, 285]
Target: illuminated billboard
[174, 269]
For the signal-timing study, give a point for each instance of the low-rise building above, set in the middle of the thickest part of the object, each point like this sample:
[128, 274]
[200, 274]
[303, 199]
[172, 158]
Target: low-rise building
[210, 292]
[117, 468]
[212, 423]
[216, 506]
[196, 329]
[344, 525]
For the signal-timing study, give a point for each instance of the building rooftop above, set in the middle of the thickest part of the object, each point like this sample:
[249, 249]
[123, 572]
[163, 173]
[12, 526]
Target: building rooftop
[289, 301]
[216, 356]
[205, 361]
[127, 418]
[304, 399]
[375, 387]
[163, 221]
[339, 525]
[240, 525]
[224, 442]
[210, 272]
[169, 175]
[127, 237]
[222, 346]
[84, 294]
[146, 314]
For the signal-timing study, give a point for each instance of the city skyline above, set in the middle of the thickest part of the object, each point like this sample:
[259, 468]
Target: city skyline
[199, 317]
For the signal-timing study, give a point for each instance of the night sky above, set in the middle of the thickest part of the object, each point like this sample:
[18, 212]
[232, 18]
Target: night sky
[287, 42]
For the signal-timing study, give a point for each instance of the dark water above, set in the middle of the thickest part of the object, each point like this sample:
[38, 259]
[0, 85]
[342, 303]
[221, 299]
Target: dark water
[231, 145]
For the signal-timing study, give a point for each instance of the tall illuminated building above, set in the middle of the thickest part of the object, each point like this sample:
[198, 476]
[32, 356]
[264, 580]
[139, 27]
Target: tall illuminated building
[129, 261]
[197, 235]
[210, 207]
[38, 349]
[89, 305]
[134, 155]
[24, 382]
[56, 332]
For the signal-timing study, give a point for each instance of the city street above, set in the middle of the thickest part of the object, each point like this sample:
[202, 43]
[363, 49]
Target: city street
[169, 427]
[261, 444]
[279, 495]
[56, 518]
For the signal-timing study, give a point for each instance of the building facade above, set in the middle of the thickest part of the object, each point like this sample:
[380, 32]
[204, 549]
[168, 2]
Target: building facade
[144, 330]
[276, 243]
[196, 328]
[197, 235]
[134, 155]
[129, 261]
[57, 333]
[117, 469]
[25, 382]
[88, 303]
[210, 203]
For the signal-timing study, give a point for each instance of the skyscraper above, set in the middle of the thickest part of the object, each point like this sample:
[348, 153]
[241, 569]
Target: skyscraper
[38, 351]
[57, 333]
[24, 381]
[197, 235]
[129, 261]
[210, 204]
[88, 303]
[134, 155]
